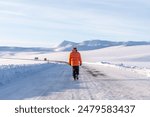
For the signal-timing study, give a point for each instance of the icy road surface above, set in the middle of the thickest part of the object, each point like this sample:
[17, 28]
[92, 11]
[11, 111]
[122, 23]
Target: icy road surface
[100, 82]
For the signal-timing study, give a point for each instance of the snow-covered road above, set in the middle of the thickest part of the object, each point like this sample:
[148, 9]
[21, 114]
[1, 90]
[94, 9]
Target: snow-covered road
[96, 82]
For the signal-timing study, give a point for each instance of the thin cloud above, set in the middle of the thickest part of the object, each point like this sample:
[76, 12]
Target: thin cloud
[55, 21]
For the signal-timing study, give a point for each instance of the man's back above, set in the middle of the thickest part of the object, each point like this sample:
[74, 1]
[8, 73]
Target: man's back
[75, 58]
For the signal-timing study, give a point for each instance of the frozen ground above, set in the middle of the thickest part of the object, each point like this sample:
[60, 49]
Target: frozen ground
[110, 73]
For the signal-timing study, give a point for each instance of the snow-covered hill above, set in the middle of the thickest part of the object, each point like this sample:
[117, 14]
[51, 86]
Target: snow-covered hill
[96, 44]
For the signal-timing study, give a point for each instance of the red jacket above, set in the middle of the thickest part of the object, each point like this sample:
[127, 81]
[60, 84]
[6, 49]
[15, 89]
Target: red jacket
[75, 58]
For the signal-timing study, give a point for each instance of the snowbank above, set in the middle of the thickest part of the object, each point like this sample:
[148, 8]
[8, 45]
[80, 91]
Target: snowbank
[140, 70]
[11, 72]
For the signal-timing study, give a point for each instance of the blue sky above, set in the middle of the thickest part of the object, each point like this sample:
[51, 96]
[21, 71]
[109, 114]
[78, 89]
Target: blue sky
[46, 23]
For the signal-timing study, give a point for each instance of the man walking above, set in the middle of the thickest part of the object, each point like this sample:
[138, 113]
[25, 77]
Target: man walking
[75, 61]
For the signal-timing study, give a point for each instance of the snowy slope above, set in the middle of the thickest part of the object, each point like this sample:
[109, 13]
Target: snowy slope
[130, 56]
[120, 72]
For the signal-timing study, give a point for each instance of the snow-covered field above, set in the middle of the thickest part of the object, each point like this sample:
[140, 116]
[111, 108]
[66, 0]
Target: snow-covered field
[119, 72]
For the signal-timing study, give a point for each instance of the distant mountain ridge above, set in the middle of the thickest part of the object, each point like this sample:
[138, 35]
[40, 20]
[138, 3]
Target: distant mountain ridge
[23, 49]
[96, 44]
[68, 45]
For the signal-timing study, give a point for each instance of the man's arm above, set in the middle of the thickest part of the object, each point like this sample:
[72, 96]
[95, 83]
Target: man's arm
[80, 59]
[70, 59]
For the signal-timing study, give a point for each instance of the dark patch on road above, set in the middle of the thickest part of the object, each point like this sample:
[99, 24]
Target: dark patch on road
[93, 72]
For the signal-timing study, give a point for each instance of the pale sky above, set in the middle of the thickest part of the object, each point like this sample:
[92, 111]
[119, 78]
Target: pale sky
[48, 22]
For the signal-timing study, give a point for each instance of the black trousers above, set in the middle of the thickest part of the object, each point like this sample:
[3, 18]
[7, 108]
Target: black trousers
[75, 70]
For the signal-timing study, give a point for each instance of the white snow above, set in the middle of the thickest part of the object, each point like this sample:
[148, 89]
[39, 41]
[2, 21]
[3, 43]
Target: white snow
[120, 54]
[121, 72]
[11, 72]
